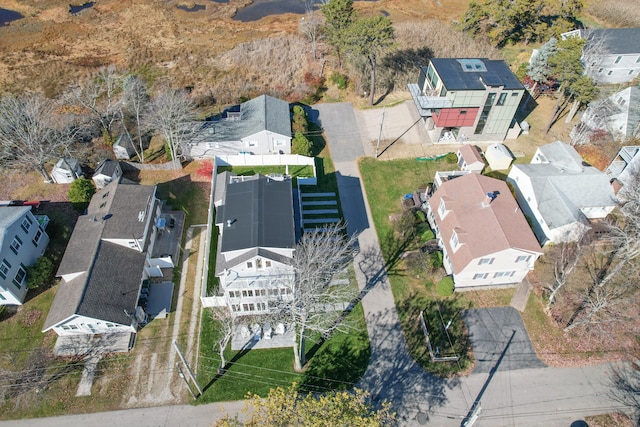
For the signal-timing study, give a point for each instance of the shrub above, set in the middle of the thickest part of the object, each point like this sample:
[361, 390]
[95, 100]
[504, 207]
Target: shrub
[340, 80]
[40, 273]
[301, 145]
[420, 216]
[80, 192]
[451, 158]
[445, 286]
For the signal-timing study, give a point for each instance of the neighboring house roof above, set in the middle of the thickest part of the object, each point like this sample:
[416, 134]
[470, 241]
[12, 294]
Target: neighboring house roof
[619, 113]
[260, 214]
[10, 214]
[562, 156]
[257, 115]
[482, 228]
[560, 193]
[107, 167]
[455, 74]
[109, 274]
[615, 40]
[470, 154]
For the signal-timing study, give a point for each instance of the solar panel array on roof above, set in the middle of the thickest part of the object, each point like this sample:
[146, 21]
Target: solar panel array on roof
[492, 80]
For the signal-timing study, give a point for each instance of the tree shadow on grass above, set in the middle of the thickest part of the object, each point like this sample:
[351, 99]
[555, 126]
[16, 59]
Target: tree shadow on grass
[243, 351]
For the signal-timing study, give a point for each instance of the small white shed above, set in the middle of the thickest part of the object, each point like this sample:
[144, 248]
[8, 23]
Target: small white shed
[498, 156]
[122, 149]
[66, 171]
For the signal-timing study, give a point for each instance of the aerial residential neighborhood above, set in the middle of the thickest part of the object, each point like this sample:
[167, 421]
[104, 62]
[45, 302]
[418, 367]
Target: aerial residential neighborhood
[396, 213]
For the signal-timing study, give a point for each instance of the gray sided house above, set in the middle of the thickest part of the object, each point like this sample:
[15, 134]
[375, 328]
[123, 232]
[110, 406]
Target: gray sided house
[255, 218]
[105, 263]
[467, 100]
[259, 126]
[560, 194]
[22, 241]
[612, 55]
[107, 171]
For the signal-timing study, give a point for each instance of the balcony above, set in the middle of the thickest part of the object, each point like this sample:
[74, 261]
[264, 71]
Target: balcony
[425, 103]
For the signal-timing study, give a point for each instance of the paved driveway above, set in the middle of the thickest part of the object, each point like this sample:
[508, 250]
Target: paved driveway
[490, 330]
[341, 128]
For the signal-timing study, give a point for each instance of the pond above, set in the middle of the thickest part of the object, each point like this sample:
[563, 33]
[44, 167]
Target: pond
[77, 9]
[194, 8]
[7, 16]
[261, 8]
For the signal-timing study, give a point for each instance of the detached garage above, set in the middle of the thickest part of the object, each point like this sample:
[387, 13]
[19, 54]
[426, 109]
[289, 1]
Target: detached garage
[498, 156]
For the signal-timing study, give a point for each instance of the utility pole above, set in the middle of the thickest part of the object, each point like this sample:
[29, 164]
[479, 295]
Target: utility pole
[380, 133]
[189, 372]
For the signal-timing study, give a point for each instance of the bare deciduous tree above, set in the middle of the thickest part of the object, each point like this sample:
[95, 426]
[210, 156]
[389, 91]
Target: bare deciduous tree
[100, 99]
[135, 101]
[566, 260]
[625, 386]
[311, 26]
[33, 131]
[316, 301]
[225, 319]
[169, 110]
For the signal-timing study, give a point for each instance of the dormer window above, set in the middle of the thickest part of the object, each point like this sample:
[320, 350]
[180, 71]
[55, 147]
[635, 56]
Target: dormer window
[442, 210]
[455, 243]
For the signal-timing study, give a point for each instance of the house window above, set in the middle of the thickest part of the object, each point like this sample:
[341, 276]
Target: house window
[2, 298]
[621, 101]
[26, 224]
[36, 238]
[480, 276]
[248, 307]
[486, 261]
[638, 60]
[525, 258]
[279, 143]
[15, 245]
[442, 210]
[4, 268]
[610, 72]
[261, 306]
[247, 293]
[503, 274]
[20, 275]
[105, 194]
[252, 143]
[249, 264]
[259, 263]
[235, 307]
[600, 70]
[454, 241]
[267, 264]
[617, 59]
[502, 99]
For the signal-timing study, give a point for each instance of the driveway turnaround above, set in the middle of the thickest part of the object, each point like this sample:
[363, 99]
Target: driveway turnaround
[498, 335]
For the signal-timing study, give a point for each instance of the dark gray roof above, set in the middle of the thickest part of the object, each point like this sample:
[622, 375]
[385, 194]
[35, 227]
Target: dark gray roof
[107, 167]
[109, 274]
[261, 215]
[616, 40]
[454, 77]
[111, 287]
[259, 114]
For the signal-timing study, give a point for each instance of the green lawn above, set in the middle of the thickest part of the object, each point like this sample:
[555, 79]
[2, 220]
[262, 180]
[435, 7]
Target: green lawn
[337, 363]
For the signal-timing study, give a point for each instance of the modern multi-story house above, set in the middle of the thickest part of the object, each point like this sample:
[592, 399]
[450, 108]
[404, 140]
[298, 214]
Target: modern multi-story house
[255, 217]
[484, 237]
[259, 126]
[612, 55]
[561, 194]
[468, 100]
[108, 258]
[22, 241]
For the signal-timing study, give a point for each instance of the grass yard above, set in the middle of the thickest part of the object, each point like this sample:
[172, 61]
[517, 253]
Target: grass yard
[337, 363]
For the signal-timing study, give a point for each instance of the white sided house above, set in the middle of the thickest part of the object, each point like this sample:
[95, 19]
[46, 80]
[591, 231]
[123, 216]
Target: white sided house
[484, 237]
[22, 241]
[255, 217]
[560, 193]
[106, 261]
[259, 126]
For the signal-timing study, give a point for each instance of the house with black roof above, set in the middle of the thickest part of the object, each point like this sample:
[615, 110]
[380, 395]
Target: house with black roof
[259, 126]
[467, 100]
[610, 55]
[255, 217]
[106, 261]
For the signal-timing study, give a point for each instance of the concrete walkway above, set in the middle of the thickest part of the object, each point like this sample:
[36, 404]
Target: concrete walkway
[521, 297]
[88, 374]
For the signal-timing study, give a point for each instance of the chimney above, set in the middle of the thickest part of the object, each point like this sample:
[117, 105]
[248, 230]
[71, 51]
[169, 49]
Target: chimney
[490, 197]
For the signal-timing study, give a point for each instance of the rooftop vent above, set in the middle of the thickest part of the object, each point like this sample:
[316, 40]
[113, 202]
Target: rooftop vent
[490, 198]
